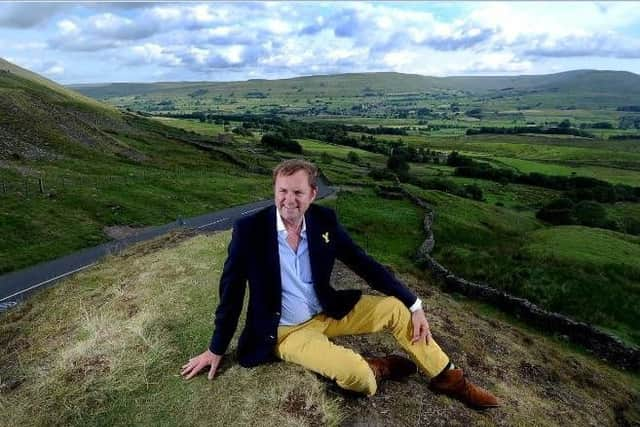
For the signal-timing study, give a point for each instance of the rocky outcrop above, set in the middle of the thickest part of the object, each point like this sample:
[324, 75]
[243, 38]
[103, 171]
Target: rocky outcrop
[601, 344]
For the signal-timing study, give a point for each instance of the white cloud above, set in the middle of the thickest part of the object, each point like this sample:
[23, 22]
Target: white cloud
[30, 46]
[233, 54]
[205, 13]
[199, 55]
[498, 62]
[67, 27]
[278, 26]
[199, 40]
[165, 13]
[54, 70]
[399, 59]
[150, 53]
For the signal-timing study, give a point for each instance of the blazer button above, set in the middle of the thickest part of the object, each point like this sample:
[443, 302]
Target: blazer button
[271, 337]
[277, 313]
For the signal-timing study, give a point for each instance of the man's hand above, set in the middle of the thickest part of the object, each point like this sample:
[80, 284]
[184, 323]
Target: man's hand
[200, 362]
[421, 329]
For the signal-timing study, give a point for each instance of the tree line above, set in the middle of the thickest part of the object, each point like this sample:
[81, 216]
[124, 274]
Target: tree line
[576, 188]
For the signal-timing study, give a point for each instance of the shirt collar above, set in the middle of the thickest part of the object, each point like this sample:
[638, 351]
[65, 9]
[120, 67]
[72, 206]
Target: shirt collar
[280, 224]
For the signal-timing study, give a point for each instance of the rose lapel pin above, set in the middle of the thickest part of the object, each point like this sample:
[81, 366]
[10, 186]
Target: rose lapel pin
[325, 236]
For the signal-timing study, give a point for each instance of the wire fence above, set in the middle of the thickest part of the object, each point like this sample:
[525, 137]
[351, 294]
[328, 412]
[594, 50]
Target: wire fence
[47, 186]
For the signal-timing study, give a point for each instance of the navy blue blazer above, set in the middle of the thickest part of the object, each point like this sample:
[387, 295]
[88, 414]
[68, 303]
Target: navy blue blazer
[253, 258]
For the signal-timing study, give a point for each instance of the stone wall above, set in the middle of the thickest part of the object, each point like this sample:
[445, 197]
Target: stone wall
[599, 343]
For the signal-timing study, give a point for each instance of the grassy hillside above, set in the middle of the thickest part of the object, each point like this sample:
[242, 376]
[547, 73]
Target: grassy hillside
[105, 347]
[7, 67]
[71, 167]
[588, 273]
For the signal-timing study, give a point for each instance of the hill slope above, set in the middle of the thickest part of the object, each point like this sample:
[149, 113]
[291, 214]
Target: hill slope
[70, 167]
[105, 348]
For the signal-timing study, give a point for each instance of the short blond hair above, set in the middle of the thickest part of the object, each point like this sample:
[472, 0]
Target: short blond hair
[291, 166]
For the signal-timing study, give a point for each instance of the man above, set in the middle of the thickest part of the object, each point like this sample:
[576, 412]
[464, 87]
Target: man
[286, 253]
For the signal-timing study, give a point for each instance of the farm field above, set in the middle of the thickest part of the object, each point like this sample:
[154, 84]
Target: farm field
[613, 175]
[209, 129]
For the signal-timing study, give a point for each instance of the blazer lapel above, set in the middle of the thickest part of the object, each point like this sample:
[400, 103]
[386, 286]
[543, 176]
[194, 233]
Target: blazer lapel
[272, 251]
[316, 250]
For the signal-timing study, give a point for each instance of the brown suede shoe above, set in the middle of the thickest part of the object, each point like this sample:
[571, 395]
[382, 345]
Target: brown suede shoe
[453, 383]
[391, 367]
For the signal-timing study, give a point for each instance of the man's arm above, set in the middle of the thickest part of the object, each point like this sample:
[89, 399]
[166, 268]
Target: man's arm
[374, 273]
[232, 290]
[381, 279]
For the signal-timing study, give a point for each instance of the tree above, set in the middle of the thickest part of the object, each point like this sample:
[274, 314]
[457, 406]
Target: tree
[474, 191]
[565, 124]
[398, 163]
[353, 157]
[280, 142]
[590, 214]
[558, 212]
[456, 159]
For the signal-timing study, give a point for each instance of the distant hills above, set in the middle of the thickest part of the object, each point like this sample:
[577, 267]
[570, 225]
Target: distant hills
[581, 87]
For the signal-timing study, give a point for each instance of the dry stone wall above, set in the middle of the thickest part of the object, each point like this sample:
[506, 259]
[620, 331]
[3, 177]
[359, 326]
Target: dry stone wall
[601, 344]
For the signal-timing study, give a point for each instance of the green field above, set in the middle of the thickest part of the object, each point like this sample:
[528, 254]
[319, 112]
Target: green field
[35, 226]
[587, 273]
[210, 129]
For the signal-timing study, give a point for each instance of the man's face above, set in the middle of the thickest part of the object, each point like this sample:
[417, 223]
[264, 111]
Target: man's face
[293, 195]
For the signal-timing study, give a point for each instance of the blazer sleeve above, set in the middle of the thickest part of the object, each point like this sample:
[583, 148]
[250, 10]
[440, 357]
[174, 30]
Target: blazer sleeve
[374, 273]
[233, 284]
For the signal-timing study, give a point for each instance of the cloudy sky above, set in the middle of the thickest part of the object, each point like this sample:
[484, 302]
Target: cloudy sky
[158, 41]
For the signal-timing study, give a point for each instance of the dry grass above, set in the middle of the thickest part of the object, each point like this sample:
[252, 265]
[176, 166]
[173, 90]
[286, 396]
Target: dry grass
[104, 348]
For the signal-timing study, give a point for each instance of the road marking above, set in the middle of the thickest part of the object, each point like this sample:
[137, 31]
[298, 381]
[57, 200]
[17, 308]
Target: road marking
[47, 281]
[250, 210]
[6, 305]
[211, 223]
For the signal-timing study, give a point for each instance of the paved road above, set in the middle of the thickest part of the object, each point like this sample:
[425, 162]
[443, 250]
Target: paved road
[18, 285]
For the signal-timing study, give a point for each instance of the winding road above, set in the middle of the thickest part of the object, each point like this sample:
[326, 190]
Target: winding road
[18, 285]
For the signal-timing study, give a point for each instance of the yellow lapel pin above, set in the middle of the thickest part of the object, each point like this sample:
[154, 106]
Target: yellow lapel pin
[325, 236]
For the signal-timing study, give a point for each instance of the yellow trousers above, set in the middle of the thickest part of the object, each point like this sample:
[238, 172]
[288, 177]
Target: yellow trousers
[308, 344]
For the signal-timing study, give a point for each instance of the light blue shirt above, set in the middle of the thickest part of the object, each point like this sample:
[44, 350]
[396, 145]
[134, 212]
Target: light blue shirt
[299, 300]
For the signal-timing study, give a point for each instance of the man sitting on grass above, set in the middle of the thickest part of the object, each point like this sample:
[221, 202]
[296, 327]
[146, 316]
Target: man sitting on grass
[286, 254]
